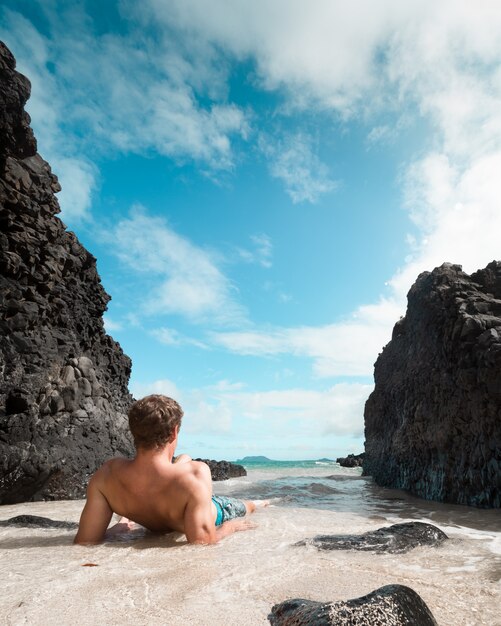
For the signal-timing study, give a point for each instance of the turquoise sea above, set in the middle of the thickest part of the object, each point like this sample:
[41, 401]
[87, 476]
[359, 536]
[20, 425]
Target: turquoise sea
[324, 484]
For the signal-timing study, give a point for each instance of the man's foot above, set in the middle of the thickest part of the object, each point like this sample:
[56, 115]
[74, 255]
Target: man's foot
[252, 505]
[261, 503]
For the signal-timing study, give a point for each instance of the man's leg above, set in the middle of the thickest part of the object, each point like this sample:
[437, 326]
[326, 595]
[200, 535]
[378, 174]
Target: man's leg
[250, 506]
[234, 507]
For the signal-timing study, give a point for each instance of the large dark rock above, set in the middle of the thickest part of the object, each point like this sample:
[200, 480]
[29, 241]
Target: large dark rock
[394, 539]
[393, 604]
[433, 421]
[223, 470]
[63, 380]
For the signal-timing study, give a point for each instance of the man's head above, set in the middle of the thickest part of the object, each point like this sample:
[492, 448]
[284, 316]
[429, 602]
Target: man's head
[153, 421]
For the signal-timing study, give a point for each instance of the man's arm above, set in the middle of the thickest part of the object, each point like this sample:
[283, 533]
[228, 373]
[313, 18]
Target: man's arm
[198, 516]
[233, 526]
[199, 524]
[95, 517]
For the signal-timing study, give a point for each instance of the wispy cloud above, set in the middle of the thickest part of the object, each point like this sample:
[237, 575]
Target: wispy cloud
[293, 161]
[261, 252]
[112, 325]
[435, 60]
[150, 94]
[48, 108]
[185, 278]
[337, 410]
[204, 412]
[347, 348]
[172, 337]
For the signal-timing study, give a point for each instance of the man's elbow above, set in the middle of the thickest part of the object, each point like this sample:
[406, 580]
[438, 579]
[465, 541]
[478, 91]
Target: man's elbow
[202, 538]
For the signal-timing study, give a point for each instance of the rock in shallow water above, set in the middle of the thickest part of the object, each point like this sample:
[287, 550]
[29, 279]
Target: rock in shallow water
[394, 539]
[392, 605]
[223, 470]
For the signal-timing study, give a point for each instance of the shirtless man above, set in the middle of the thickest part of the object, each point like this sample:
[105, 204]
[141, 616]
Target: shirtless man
[156, 492]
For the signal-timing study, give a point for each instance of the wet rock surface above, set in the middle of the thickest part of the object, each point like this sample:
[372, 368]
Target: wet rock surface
[433, 422]
[63, 380]
[36, 521]
[394, 539]
[223, 470]
[397, 605]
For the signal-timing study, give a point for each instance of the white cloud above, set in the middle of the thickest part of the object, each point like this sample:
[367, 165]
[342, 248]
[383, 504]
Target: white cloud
[204, 413]
[94, 94]
[228, 408]
[322, 50]
[78, 179]
[163, 386]
[77, 175]
[293, 161]
[458, 214]
[262, 251]
[336, 411]
[171, 337]
[188, 281]
[111, 325]
[352, 60]
[347, 348]
[146, 97]
[435, 60]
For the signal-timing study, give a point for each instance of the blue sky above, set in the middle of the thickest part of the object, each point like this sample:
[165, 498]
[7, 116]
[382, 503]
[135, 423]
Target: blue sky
[261, 183]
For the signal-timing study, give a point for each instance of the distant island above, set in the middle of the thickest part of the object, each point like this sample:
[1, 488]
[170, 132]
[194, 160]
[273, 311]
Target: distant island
[265, 459]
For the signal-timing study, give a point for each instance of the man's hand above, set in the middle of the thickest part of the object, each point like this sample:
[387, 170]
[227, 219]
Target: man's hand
[122, 527]
[234, 526]
[183, 458]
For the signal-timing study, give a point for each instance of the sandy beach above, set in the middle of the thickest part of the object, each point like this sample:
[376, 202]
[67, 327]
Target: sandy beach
[150, 579]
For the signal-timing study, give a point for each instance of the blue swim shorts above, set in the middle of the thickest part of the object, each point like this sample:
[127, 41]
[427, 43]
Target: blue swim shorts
[228, 508]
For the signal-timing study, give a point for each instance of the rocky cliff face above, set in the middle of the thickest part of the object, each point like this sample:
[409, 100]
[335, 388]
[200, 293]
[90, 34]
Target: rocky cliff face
[63, 380]
[433, 422]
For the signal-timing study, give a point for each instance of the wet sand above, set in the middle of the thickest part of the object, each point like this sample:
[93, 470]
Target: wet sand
[162, 579]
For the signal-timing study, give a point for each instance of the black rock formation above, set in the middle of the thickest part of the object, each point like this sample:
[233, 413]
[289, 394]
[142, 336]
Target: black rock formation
[394, 539]
[433, 421]
[222, 470]
[393, 604]
[352, 460]
[35, 521]
[63, 380]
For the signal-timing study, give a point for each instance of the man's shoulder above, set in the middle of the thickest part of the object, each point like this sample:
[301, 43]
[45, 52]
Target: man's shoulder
[107, 469]
[195, 468]
[194, 472]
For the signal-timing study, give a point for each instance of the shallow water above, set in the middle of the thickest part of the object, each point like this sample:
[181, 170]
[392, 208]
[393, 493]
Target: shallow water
[345, 490]
[151, 579]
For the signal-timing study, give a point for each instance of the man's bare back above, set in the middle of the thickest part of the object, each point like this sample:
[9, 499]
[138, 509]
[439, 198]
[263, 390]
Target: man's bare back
[157, 493]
